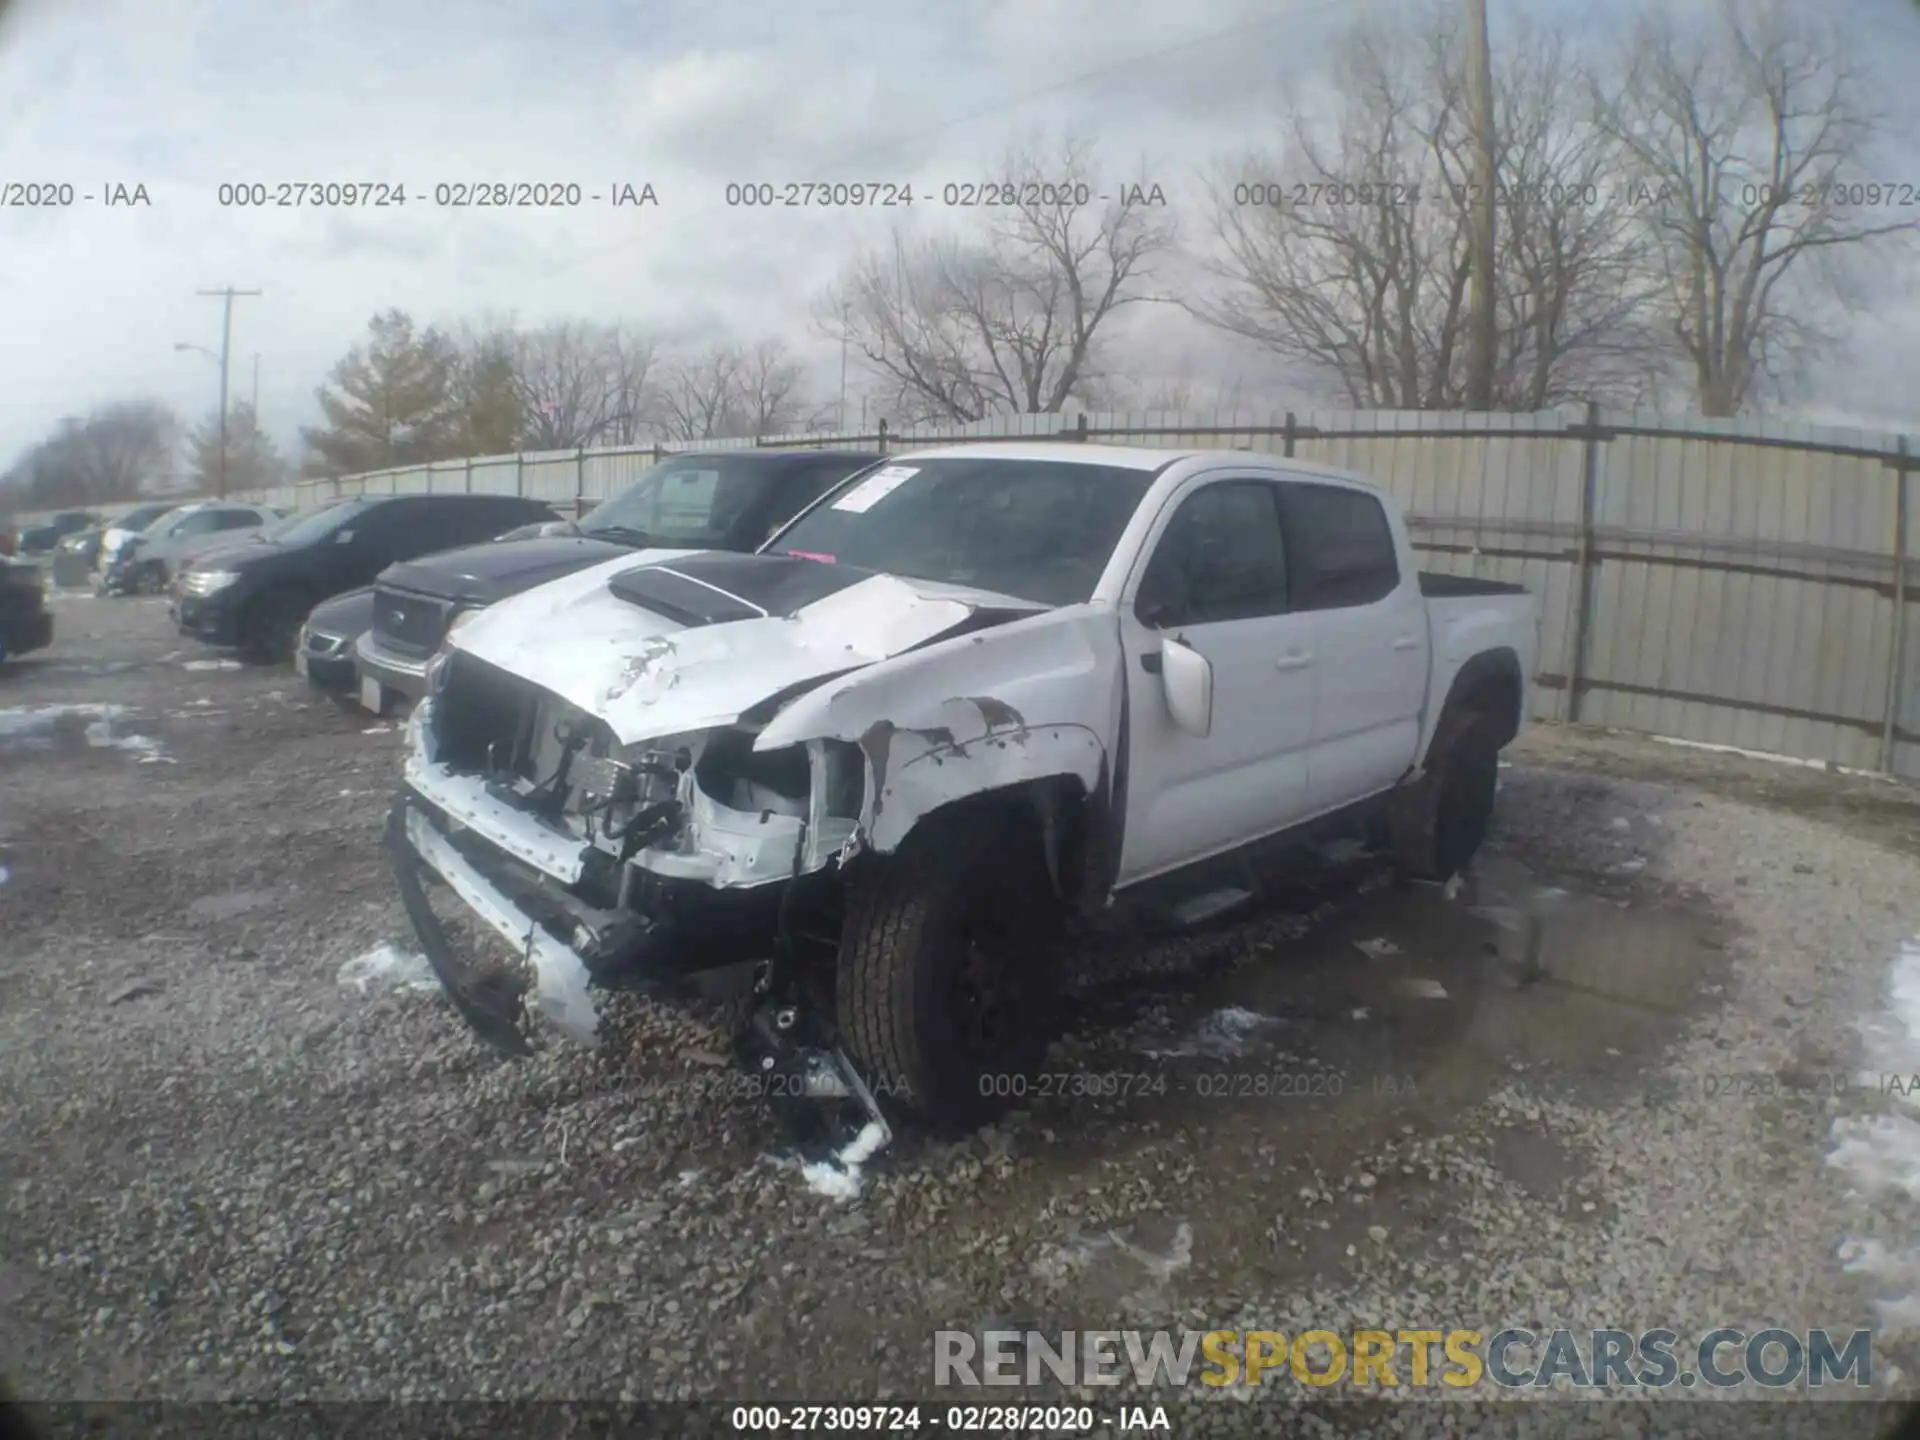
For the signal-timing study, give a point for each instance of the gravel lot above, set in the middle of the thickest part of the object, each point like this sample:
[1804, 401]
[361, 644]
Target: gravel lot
[226, 1172]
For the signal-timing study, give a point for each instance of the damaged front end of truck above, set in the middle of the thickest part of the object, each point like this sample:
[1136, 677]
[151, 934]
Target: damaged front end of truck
[652, 771]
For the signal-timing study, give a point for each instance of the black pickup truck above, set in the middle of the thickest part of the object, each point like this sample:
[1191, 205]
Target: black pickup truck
[718, 500]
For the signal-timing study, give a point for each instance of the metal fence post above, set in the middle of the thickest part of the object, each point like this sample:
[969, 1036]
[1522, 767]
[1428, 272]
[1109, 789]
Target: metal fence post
[469, 474]
[883, 436]
[1580, 620]
[520, 473]
[579, 477]
[658, 453]
[1287, 436]
[1897, 662]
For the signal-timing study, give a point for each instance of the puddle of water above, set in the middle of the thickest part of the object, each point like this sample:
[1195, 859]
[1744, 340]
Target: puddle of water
[1509, 973]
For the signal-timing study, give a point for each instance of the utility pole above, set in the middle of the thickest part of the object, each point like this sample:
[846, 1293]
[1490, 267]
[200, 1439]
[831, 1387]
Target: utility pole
[1480, 337]
[228, 295]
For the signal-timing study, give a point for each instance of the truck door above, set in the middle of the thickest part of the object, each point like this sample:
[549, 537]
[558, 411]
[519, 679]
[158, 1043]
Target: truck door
[1215, 580]
[1372, 627]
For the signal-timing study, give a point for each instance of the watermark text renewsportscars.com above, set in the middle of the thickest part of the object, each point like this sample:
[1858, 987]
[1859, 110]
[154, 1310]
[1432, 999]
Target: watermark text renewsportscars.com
[1387, 1360]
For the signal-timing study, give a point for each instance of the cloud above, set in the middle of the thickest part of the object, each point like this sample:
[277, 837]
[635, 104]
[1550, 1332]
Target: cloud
[185, 96]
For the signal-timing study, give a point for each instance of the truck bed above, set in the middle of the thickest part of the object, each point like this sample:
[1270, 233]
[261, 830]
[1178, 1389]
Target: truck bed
[1436, 586]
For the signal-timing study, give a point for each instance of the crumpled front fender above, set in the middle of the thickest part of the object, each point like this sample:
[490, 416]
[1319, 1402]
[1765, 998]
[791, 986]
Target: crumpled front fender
[1028, 700]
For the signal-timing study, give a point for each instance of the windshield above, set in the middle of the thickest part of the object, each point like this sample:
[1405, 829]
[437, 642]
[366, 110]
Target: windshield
[314, 525]
[139, 519]
[695, 500]
[1038, 529]
[167, 521]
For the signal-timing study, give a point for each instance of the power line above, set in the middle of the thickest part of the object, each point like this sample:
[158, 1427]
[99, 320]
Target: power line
[227, 296]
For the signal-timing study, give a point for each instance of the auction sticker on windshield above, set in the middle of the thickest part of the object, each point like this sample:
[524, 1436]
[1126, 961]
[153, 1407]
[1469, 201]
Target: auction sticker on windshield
[875, 488]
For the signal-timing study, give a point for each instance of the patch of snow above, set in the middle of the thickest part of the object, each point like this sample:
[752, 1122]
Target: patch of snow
[1377, 948]
[5, 874]
[1770, 758]
[101, 737]
[842, 1177]
[1221, 1035]
[31, 726]
[1880, 1154]
[377, 730]
[211, 665]
[1420, 988]
[27, 722]
[1619, 822]
[388, 967]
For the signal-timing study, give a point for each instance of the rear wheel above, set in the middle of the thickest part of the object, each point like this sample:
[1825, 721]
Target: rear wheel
[948, 959]
[271, 629]
[151, 579]
[1440, 822]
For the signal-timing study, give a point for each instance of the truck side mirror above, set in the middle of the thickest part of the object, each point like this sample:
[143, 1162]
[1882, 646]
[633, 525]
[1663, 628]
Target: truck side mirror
[1188, 678]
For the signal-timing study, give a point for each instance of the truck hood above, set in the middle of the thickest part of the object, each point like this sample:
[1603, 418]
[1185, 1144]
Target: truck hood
[495, 569]
[661, 642]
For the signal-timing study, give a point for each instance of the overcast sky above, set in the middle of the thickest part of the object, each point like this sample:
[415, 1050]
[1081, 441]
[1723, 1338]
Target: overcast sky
[180, 96]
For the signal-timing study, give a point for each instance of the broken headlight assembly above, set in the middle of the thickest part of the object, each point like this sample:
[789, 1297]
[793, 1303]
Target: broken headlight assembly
[632, 798]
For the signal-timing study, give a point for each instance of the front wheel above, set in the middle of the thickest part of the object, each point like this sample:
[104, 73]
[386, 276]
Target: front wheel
[151, 580]
[1439, 823]
[272, 629]
[947, 970]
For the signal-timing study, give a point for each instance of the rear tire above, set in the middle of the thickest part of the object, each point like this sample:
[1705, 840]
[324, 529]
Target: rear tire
[947, 968]
[151, 580]
[1439, 823]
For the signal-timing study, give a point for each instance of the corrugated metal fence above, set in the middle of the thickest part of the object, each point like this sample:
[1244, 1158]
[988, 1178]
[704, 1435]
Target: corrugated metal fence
[1733, 582]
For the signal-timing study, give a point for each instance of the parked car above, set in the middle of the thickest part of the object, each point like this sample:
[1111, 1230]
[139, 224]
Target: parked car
[966, 700]
[325, 653]
[81, 548]
[123, 528]
[145, 564]
[25, 624]
[724, 500]
[41, 538]
[257, 596]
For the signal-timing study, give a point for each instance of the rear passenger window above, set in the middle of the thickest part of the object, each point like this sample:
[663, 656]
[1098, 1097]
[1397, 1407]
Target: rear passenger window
[1221, 558]
[1341, 547]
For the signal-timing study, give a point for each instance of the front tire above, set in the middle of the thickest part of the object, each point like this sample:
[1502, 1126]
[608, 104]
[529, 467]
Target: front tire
[1439, 823]
[947, 968]
[272, 629]
[151, 580]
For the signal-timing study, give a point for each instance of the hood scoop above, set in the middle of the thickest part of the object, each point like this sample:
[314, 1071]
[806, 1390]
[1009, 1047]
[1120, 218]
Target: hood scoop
[717, 587]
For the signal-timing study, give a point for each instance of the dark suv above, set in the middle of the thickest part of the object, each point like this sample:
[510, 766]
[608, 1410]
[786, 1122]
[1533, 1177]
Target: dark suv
[718, 500]
[256, 593]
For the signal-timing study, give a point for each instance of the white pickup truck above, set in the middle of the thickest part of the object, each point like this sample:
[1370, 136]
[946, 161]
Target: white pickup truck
[967, 701]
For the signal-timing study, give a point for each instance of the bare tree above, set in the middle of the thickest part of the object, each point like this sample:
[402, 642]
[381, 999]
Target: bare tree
[1350, 250]
[571, 382]
[124, 445]
[697, 394]
[1744, 148]
[957, 329]
[632, 357]
[767, 398]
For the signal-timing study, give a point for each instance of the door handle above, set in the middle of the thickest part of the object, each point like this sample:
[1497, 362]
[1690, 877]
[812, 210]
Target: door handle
[1293, 662]
[1406, 642]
